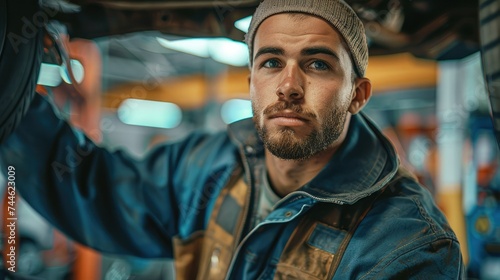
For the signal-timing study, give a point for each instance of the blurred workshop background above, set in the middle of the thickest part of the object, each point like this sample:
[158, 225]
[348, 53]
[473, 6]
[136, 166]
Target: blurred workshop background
[138, 89]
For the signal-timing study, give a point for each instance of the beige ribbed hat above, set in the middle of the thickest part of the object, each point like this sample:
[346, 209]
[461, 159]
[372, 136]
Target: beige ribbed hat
[336, 12]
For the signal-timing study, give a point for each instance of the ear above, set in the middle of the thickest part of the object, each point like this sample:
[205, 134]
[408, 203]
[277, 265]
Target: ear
[361, 94]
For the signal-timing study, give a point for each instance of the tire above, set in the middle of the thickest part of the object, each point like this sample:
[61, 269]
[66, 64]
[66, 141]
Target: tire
[21, 49]
[489, 20]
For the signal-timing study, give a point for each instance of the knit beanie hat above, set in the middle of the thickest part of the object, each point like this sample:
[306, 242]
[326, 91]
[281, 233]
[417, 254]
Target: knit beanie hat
[339, 14]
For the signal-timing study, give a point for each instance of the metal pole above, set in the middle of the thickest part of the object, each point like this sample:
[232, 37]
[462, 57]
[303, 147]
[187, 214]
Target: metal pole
[452, 118]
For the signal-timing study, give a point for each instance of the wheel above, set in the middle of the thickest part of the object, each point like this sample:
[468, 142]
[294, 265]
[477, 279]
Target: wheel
[489, 19]
[21, 48]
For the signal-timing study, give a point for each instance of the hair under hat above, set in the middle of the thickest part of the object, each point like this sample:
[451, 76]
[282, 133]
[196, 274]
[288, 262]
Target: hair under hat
[336, 12]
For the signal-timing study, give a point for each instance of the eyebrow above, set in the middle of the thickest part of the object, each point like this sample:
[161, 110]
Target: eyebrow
[269, 50]
[305, 52]
[320, 50]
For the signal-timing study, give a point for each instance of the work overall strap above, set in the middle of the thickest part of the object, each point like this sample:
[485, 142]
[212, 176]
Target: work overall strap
[224, 230]
[208, 254]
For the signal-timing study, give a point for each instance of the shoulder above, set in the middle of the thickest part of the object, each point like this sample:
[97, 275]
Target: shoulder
[402, 234]
[408, 201]
[407, 210]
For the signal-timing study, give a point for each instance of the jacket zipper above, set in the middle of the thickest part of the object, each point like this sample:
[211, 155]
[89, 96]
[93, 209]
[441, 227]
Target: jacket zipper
[382, 182]
[236, 253]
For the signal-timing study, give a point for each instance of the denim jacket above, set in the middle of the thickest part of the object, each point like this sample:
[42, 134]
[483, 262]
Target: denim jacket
[120, 205]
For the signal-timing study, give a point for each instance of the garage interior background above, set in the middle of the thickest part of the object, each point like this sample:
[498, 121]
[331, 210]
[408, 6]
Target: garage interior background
[151, 73]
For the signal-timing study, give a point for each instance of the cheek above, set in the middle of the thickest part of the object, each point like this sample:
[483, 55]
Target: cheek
[321, 98]
[255, 88]
[256, 103]
[254, 97]
[335, 98]
[261, 95]
[327, 103]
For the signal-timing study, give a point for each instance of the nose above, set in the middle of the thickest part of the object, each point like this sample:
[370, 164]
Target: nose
[291, 83]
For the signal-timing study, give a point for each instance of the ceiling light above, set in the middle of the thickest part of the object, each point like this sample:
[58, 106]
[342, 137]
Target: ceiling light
[223, 50]
[76, 68]
[243, 24]
[49, 75]
[236, 109]
[150, 113]
[52, 75]
[194, 46]
[228, 51]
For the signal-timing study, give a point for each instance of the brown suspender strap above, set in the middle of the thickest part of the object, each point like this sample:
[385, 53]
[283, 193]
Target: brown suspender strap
[224, 230]
[207, 255]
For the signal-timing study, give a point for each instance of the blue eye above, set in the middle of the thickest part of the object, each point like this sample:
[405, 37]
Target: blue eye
[319, 65]
[271, 63]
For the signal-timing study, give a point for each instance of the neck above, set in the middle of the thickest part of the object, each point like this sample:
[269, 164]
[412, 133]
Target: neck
[287, 176]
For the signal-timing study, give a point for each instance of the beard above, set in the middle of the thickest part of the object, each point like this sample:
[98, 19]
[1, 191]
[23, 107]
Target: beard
[285, 143]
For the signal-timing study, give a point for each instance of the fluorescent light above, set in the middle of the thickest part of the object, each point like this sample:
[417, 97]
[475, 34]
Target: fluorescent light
[150, 113]
[243, 24]
[49, 75]
[194, 46]
[222, 50]
[76, 68]
[228, 51]
[52, 75]
[236, 109]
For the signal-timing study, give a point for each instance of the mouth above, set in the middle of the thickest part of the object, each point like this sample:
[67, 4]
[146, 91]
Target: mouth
[288, 119]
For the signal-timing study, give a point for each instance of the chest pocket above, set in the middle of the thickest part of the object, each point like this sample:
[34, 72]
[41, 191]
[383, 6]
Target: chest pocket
[326, 238]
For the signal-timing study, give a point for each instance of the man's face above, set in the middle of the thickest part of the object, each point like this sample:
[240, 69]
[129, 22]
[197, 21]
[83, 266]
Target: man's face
[300, 85]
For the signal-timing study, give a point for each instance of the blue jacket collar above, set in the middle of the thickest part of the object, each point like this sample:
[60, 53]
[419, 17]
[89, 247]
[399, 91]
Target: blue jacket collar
[364, 163]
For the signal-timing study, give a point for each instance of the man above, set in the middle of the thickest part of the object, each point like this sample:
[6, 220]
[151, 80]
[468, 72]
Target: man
[310, 189]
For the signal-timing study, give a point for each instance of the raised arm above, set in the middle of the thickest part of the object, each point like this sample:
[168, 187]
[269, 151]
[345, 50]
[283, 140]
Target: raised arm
[105, 200]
